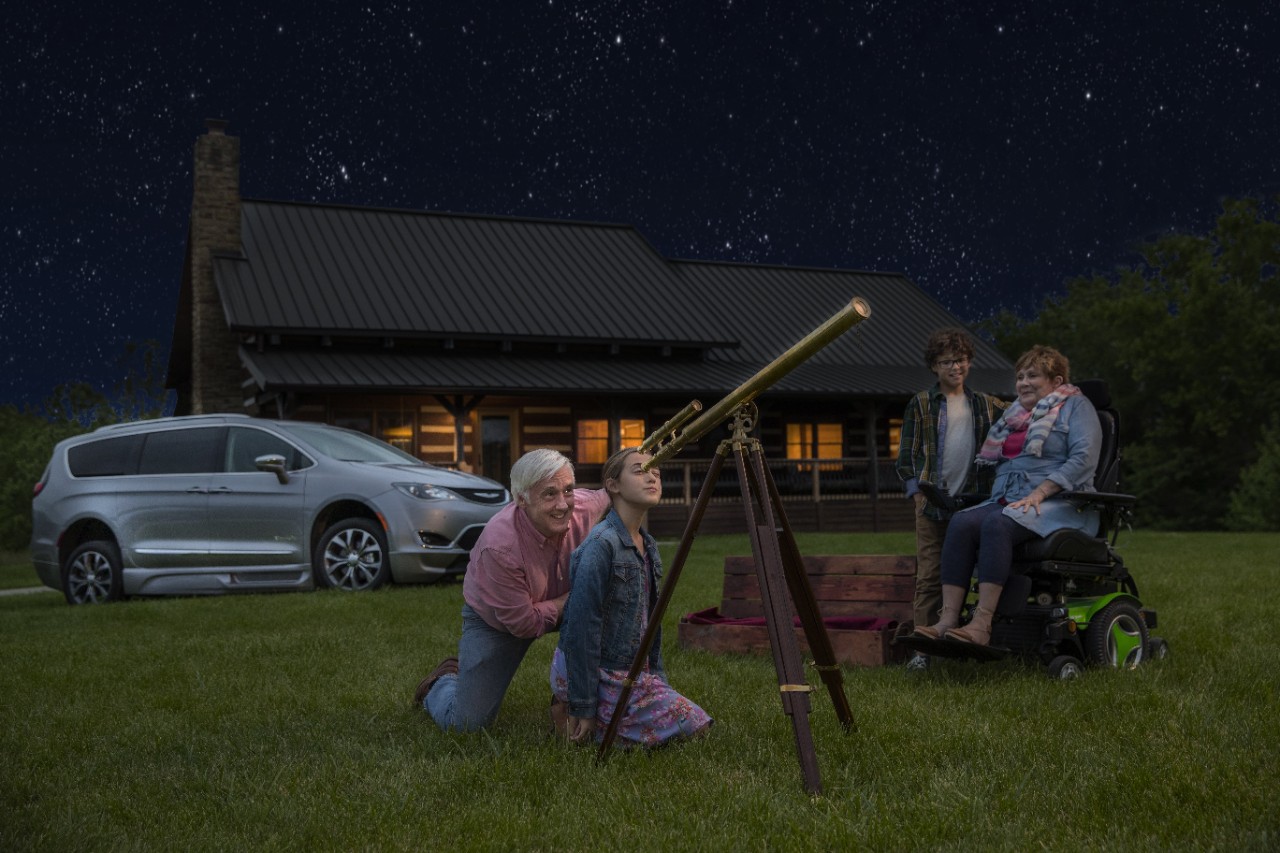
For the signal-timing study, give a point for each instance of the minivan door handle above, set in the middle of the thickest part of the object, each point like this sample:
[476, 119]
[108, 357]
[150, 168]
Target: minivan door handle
[221, 490]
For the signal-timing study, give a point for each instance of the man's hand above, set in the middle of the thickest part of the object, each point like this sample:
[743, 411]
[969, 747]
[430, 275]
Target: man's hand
[559, 603]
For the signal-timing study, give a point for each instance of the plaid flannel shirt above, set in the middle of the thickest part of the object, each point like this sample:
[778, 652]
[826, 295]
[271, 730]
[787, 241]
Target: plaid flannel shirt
[923, 427]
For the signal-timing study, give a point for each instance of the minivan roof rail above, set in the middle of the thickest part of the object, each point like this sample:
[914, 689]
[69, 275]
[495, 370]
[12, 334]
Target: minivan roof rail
[216, 417]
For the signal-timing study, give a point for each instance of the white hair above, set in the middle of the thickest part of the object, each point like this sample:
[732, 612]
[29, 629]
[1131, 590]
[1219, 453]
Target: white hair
[534, 467]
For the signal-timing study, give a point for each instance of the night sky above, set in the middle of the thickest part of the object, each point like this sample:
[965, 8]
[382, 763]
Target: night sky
[990, 151]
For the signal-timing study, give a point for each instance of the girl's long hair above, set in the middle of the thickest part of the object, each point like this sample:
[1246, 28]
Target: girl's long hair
[612, 470]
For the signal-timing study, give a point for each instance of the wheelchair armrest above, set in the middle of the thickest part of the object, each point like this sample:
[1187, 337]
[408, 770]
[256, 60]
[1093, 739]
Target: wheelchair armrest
[1103, 500]
[949, 503]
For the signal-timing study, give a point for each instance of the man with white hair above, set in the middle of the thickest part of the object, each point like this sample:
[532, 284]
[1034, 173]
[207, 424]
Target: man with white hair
[514, 589]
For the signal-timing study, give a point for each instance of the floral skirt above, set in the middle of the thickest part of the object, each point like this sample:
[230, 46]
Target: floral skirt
[655, 712]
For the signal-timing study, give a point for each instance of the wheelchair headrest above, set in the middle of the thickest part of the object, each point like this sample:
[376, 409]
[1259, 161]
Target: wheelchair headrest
[1097, 392]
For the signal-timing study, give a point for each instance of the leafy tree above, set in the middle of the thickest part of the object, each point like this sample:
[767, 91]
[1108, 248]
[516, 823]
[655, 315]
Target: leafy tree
[1255, 504]
[1189, 342]
[27, 436]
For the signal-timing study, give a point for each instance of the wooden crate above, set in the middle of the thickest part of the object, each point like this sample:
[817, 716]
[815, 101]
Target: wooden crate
[864, 600]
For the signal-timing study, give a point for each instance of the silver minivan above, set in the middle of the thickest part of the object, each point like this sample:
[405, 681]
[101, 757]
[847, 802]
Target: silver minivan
[225, 503]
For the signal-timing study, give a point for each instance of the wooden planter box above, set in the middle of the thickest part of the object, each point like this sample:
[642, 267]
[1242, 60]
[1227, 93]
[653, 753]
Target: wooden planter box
[864, 600]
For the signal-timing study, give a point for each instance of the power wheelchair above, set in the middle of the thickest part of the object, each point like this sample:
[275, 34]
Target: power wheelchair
[1069, 599]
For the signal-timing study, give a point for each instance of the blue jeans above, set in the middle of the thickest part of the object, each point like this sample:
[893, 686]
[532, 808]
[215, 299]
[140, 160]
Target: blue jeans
[981, 538]
[487, 661]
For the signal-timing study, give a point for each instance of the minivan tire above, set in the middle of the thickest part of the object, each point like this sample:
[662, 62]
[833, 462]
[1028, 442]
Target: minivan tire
[352, 556]
[91, 573]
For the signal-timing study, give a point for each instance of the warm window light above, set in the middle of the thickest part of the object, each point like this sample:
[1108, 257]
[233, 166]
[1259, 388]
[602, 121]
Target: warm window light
[631, 432]
[821, 441]
[593, 442]
[895, 436]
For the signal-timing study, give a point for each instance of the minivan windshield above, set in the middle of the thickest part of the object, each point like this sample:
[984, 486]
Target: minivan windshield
[351, 446]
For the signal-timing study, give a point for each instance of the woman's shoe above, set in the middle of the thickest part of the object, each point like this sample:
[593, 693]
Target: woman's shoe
[935, 631]
[970, 634]
[948, 616]
[978, 631]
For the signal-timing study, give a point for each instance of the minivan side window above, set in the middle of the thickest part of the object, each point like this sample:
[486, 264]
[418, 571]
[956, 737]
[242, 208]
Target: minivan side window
[110, 457]
[245, 445]
[182, 451]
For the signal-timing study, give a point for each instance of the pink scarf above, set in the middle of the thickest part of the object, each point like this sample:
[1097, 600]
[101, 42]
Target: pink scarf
[1038, 423]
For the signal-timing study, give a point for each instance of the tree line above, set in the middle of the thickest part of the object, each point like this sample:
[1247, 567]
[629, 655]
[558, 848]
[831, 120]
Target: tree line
[1189, 343]
[28, 434]
[1188, 340]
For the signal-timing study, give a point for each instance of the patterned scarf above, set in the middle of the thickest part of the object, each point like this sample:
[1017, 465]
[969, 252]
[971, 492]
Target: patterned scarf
[1038, 423]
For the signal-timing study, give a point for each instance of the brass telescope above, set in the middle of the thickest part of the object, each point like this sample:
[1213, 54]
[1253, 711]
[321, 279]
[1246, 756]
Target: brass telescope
[670, 439]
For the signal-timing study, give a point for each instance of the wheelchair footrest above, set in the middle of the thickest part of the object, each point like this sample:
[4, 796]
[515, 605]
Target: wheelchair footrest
[952, 648]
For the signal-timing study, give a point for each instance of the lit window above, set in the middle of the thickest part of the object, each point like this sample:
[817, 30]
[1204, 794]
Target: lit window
[815, 441]
[799, 440]
[895, 437]
[593, 442]
[396, 429]
[631, 431]
[830, 443]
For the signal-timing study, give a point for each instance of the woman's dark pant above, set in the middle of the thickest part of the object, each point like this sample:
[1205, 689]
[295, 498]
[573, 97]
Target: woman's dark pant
[981, 538]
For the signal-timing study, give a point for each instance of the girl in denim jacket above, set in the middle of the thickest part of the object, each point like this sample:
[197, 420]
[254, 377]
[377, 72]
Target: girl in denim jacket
[614, 585]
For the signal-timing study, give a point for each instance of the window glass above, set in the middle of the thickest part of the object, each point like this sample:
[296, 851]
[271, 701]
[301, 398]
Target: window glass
[110, 457]
[245, 445]
[358, 421]
[799, 440]
[821, 440]
[396, 429]
[182, 451]
[593, 442]
[830, 443]
[895, 436]
[350, 446]
[631, 431]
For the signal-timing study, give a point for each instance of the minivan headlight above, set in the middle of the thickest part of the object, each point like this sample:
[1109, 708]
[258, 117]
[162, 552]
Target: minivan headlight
[425, 491]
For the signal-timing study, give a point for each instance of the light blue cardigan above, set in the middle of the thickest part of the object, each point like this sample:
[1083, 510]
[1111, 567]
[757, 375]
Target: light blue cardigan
[1069, 457]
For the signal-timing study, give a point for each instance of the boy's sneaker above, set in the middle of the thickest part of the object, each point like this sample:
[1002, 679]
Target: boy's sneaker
[918, 663]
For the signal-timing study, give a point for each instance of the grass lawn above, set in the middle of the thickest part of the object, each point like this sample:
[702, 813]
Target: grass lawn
[284, 722]
[16, 571]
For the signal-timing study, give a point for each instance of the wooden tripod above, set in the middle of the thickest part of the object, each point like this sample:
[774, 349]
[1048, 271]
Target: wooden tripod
[780, 571]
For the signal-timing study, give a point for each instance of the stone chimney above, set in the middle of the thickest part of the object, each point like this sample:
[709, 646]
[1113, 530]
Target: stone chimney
[216, 372]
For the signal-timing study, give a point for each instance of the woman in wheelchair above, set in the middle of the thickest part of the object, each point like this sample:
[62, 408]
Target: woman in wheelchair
[1045, 443]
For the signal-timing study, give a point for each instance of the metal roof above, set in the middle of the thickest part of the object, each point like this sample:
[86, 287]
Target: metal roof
[314, 271]
[346, 270]
[334, 370]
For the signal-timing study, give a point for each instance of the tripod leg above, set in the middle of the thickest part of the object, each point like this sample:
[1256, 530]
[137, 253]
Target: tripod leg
[664, 598]
[806, 604]
[777, 616]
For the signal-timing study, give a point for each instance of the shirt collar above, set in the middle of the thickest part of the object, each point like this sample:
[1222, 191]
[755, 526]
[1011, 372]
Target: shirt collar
[526, 530]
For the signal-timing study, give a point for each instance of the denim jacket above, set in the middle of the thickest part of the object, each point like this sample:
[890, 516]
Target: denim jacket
[1069, 458]
[605, 615]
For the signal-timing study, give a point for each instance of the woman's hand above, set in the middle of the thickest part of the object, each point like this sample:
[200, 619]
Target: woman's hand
[1038, 495]
[581, 729]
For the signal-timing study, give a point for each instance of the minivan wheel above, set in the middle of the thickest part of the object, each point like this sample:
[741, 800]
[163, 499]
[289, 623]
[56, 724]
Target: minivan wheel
[352, 555]
[91, 575]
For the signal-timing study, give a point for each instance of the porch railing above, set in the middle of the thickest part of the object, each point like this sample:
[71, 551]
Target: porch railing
[818, 480]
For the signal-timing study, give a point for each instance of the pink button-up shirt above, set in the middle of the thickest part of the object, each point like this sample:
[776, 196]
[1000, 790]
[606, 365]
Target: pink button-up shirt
[515, 572]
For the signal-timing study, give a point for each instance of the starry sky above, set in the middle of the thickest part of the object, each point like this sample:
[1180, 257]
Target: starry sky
[990, 151]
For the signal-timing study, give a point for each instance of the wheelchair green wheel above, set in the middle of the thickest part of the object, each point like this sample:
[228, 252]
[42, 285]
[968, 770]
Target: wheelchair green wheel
[1117, 635]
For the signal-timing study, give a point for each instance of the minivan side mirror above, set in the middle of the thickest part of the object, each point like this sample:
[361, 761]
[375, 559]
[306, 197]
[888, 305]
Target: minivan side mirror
[273, 463]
